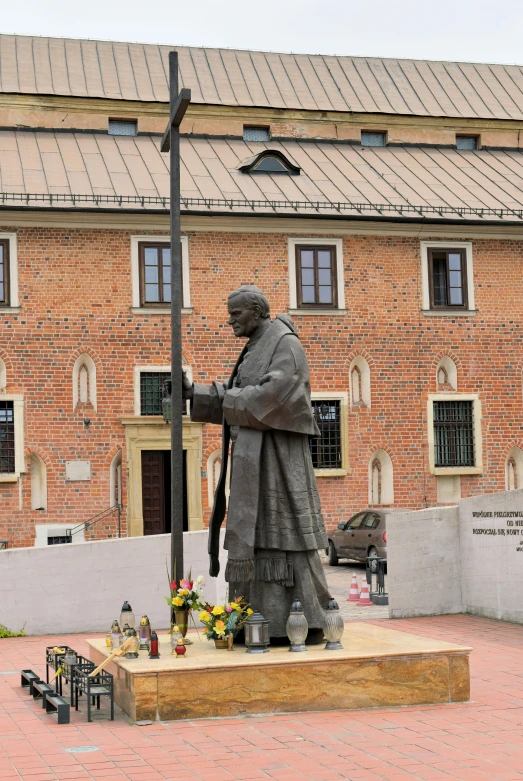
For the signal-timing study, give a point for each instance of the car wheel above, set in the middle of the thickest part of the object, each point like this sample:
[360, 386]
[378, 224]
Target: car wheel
[373, 552]
[333, 556]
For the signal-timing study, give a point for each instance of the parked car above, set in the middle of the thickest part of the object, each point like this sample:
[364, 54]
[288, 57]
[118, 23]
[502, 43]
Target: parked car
[362, 535]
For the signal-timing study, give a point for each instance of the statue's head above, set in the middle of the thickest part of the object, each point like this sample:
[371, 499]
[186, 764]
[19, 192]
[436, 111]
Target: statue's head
[248, 308]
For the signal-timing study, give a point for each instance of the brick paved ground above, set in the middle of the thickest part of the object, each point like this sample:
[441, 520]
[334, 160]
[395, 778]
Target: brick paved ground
[477, 741]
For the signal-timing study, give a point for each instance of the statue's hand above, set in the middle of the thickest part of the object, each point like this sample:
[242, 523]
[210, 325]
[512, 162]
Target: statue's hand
[214, 566]
[187, 387]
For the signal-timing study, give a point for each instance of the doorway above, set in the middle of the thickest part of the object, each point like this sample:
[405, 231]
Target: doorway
[156, 491]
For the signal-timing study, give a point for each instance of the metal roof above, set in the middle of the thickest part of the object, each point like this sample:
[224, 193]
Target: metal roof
[134, 71]
[96, 170]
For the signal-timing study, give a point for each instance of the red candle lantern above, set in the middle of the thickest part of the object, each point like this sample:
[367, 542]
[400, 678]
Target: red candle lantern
[180, 647]
[153, 653]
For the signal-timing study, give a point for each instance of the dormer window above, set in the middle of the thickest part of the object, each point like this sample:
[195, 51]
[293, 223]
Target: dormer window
[269, 162]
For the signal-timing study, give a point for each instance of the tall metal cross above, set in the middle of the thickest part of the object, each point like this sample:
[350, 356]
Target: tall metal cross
[171, 143]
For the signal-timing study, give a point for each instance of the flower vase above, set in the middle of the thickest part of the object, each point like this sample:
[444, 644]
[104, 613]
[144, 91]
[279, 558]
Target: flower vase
[181, 619]
[221, 642]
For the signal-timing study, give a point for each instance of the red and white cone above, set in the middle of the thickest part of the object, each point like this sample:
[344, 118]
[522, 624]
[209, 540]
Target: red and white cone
[354, 593]
[364, 600]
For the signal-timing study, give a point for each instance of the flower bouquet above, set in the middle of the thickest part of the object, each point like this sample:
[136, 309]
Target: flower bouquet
[186, 595]
[223, 622]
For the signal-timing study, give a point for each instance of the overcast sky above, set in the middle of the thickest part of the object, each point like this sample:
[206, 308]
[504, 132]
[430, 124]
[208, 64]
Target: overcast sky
[467, 30]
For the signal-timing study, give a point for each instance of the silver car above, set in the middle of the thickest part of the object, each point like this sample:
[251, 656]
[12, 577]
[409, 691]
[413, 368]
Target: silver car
[362, 535]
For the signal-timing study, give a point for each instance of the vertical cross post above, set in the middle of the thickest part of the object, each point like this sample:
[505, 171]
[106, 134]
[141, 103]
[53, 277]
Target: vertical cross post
[171, 143]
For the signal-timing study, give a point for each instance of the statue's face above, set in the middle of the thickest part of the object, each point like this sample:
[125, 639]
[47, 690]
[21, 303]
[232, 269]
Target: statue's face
[242, 318]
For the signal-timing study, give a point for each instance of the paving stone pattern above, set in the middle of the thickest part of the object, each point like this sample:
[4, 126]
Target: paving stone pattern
[477, 741]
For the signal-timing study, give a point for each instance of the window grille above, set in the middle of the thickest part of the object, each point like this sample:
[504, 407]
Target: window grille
[61, 539]
[326, 449]
[256, 134]
[467, 142]
[453, 433]
[120, 127]
[7, 437]
[373, 139]
[151, 392]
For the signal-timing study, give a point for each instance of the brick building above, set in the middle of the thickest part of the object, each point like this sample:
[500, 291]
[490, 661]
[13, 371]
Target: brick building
[380, 202]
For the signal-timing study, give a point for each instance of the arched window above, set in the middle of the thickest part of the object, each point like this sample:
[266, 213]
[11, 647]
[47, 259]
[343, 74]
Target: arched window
[38, 474]
[115, 480]
[359, 376]
[214, 467]
[84, 382]
[3, 377]
[514, 469]
[381, 479]
[447, 374]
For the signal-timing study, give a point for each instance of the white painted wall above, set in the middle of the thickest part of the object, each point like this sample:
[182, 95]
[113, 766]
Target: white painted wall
[438, 564]
[423, 562]
[81, 588]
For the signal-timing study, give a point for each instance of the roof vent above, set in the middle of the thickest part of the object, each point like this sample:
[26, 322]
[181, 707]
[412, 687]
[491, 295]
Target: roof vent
[269, 162]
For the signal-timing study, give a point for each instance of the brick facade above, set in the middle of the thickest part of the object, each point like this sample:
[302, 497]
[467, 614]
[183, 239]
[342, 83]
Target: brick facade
[75, 294]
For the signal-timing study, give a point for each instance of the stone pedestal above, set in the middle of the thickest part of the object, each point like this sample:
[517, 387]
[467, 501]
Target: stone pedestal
[377, 666]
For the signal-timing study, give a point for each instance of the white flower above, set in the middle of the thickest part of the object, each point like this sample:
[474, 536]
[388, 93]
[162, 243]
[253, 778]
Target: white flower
[199, 580]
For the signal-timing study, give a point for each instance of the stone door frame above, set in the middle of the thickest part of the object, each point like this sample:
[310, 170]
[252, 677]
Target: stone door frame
[151, 433]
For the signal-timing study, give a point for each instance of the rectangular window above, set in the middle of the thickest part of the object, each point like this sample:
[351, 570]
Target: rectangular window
[151, 392]
[7, 437]
[467, 142]
[4, 273]
[326, 450]
[316, 276]
[123, 127]
[447, 279]
[453, 433]
[155, 273]
[256, 134]
[62, 539]
[373, 139]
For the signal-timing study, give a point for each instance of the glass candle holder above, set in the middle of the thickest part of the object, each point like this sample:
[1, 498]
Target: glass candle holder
[175, 636]
[154, 652]
[333, 626]
[116, 635]
[297, 627]
[132, 648]
[127, 615]
[145, 634]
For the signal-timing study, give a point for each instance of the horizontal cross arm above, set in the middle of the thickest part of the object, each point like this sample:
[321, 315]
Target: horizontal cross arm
[177, 114]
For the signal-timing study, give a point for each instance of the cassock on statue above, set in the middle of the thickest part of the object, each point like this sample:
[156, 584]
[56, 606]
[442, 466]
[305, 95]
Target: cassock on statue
[274, 522]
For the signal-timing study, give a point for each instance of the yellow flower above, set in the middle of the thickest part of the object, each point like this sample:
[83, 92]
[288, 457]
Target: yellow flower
[217, 610]
[249, 611]
[235, 606]
[185, 591]
[219, 628]
[177, 601]
[204, 616]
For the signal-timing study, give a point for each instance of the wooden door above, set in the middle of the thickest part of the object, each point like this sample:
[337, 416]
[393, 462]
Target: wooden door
[153, 491]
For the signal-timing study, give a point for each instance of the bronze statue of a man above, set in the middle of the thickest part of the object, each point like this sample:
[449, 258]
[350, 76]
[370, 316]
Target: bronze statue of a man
[274, 522]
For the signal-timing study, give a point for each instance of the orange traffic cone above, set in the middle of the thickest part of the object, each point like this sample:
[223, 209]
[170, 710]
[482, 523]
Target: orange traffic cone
[354, 593]
[364, 600]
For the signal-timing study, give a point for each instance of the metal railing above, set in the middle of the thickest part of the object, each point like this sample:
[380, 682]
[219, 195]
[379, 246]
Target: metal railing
[401, 210]
[86, 525]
